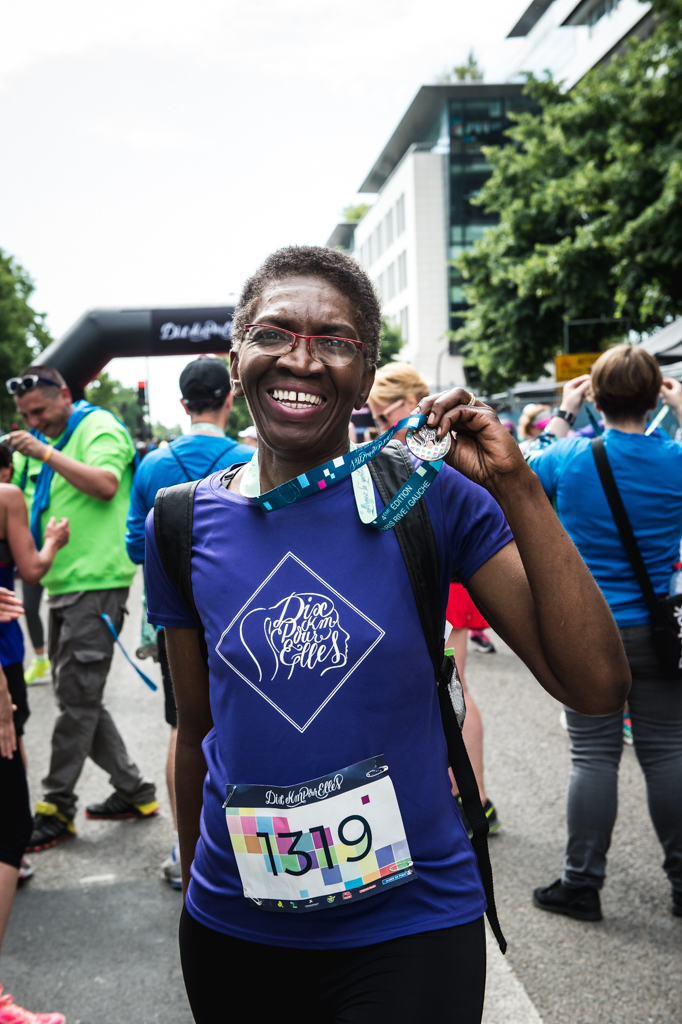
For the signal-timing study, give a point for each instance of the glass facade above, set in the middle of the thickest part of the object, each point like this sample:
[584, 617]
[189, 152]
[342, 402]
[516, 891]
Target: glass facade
[472, 124]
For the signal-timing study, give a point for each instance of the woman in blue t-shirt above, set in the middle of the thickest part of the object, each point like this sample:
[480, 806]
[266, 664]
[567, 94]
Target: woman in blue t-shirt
[312, 771]
[625, 384]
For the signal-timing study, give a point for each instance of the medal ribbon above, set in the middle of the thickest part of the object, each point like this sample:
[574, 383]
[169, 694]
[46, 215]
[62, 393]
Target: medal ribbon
[331, 473]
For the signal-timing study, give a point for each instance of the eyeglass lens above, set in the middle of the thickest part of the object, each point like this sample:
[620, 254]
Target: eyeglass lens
[328, 350]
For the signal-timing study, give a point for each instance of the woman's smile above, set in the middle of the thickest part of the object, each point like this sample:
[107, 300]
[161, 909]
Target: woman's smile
[297, 398]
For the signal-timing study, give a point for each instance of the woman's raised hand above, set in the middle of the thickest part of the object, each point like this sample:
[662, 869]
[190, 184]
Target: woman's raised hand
[483, 449]
[58, 532]
[10, 605]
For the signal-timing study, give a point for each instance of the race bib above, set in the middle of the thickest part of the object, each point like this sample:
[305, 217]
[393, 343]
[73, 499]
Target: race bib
[321, 843]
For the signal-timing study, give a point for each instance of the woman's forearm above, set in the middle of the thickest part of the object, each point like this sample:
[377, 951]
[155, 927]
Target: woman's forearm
[190, 772]
[576, 629]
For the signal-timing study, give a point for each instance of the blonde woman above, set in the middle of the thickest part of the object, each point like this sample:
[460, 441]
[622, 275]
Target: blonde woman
[532, 422]
[396, 392]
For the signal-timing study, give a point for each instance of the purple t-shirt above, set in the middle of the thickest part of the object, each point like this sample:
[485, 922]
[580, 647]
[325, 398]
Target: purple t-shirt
[281, 720]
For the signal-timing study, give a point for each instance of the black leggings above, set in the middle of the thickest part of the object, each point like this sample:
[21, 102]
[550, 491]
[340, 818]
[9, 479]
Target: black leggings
[434, 976]
[15, 810]
[32, 593]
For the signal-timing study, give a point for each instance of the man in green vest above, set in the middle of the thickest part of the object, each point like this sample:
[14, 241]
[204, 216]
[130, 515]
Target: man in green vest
[88, 463]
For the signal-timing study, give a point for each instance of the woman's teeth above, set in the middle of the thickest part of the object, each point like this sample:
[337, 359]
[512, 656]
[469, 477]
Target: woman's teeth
[296, 399]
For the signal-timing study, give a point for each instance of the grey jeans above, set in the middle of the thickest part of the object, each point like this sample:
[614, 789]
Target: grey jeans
[596, 746]
[80, 650]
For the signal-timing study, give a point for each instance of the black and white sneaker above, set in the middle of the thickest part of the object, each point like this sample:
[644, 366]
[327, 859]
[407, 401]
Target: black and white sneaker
[482, 643]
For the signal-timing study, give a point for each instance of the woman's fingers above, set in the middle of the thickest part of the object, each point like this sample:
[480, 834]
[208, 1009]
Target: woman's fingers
[437, 408]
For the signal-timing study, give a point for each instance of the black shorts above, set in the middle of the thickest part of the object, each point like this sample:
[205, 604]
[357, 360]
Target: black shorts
[436, 976]
[168, 695]
[17, 688]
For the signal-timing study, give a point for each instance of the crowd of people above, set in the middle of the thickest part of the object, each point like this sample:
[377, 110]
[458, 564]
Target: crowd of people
[292, 681]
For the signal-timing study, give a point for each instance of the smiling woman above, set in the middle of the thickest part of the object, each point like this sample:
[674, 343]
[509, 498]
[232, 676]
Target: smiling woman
[314, 803]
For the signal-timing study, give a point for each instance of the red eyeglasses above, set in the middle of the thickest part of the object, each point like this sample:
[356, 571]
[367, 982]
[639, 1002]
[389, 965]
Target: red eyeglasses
[274, 341]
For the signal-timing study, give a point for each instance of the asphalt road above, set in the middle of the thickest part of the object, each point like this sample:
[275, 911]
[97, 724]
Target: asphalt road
[94, 933]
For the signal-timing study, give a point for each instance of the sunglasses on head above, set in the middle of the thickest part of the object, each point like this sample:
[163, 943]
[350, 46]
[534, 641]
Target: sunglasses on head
[20, 385]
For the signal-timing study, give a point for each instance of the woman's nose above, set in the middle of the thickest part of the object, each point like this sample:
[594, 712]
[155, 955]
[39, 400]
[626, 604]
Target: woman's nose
[299, 357]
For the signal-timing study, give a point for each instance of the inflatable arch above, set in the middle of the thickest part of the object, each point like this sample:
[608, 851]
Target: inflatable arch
[103, 334]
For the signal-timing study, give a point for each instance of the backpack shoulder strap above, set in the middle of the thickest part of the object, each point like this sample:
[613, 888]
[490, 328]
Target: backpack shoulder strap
[390, 470]
[177, 458]
[173, 521]
[414, 533]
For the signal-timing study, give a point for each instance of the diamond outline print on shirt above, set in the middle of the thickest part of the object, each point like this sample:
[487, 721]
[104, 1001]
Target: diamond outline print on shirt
[351, 670]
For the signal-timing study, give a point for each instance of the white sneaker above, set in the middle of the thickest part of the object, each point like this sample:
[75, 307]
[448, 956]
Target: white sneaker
[25, 871]
[562, 719]
[171, 868]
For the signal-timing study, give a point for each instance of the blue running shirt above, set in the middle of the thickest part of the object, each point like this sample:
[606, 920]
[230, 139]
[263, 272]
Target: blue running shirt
[285, 714]
[648, 473]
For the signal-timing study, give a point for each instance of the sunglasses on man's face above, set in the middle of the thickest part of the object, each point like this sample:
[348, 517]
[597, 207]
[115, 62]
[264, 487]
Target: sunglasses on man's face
[20, 385]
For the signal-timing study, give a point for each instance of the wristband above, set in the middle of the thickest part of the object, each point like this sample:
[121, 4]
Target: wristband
[564, 414]
[48, 453]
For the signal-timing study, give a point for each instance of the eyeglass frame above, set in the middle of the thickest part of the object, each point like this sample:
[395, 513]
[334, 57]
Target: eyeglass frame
[309, 338]
[22, 390]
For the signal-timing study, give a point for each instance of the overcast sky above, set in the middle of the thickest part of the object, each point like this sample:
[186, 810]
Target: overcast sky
[154, 152]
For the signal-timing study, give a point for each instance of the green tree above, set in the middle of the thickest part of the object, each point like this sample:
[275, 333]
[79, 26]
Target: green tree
[355, 211]
[391, 342]
[112, 395]
[589, 198]
[470, 70]
[165, 433]
[240, 418]
[22, 331]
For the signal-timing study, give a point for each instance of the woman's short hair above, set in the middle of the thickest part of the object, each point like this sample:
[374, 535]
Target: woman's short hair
[332, 265]
[395, 381]
[625, 382]
[530, 412]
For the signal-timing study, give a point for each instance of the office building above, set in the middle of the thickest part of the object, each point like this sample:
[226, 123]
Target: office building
[568, 37]
[424, 179]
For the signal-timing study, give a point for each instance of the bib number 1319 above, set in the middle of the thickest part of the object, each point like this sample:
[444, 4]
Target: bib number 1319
[364, 840]
[290, 860]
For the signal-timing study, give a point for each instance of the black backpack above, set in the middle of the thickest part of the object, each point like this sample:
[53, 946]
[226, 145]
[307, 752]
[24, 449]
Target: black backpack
[173, 516]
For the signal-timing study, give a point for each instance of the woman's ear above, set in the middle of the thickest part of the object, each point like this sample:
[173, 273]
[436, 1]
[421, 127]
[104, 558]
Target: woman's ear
[237, 389]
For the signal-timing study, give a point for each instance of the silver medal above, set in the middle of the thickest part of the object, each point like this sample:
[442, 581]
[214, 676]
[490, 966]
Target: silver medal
[425, 445]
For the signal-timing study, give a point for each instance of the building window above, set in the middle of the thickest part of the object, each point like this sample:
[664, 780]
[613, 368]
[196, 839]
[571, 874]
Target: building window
[404, 325]
[379, 241]
[370, 250]
[402, 271]
[400, 216]
[379, 284]
[389, 228]
[591, 13]
[390, 281]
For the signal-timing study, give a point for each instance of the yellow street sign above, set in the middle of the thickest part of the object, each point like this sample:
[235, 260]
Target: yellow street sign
[568, 367]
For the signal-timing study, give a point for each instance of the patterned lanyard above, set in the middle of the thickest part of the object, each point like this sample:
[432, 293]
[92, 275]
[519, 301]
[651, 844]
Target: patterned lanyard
[331, 473]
